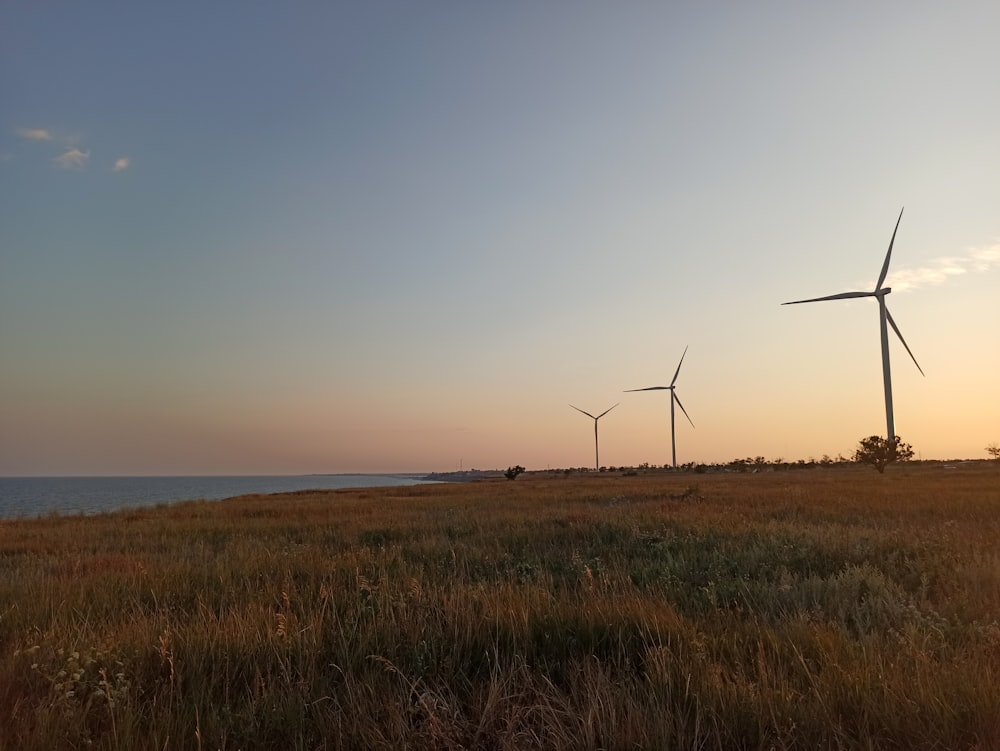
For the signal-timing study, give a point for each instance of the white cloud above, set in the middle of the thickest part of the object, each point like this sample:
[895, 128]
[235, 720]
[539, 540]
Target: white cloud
[35, 134]
[939, 270]
[121, 164]
[72, 159]
[983, 259]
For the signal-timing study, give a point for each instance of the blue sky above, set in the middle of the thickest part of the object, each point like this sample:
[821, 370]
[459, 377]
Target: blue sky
[397, 236]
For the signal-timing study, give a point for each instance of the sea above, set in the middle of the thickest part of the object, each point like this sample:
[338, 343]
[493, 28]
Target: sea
[26, 497]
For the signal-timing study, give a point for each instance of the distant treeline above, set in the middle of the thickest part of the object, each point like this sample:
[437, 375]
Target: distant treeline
[749, 464]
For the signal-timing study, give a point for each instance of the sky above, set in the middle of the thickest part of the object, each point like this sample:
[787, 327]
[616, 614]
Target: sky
[267, 238]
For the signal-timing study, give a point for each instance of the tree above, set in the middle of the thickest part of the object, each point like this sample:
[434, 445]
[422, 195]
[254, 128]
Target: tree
[880, 452]
[994, 450]
[513, 472]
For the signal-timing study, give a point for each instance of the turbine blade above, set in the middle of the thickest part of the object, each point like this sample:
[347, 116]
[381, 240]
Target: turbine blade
[885, 265]
[841, 296]
[676, 372]
[678, 400]
[650, 388]
[584, 412]
[895, 328]
[605, 412]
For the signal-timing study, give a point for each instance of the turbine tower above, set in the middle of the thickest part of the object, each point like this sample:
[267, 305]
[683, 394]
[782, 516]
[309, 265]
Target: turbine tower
[673, 398]
[597, 459]
[884, 316]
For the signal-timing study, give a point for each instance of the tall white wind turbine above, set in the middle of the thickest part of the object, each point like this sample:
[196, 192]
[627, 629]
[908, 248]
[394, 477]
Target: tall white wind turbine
[597, 457]
[673, 398]
[879, 294]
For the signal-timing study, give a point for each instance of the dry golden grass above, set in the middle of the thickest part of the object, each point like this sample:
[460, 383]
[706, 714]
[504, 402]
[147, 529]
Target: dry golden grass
[828, 608]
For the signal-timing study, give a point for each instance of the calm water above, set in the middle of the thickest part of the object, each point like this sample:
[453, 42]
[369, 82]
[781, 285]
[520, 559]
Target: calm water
[38, 496]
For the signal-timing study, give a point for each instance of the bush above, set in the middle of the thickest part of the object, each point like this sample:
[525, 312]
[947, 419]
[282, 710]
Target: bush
[880, 452]
[513, 472]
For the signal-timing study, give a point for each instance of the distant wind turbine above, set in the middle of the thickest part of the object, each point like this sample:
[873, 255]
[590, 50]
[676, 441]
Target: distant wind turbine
[673, 398]
[597, 459]
[879, 294]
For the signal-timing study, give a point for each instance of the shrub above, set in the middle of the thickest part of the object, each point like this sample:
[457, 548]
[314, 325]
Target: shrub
[880, 452]
[513, 472]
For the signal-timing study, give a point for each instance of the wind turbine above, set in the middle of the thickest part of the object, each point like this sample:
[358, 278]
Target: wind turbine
[597, 460]
[879, 294]
[673, 398]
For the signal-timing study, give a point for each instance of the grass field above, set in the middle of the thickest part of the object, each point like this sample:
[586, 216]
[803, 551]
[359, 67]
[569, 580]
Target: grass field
[826, 608]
